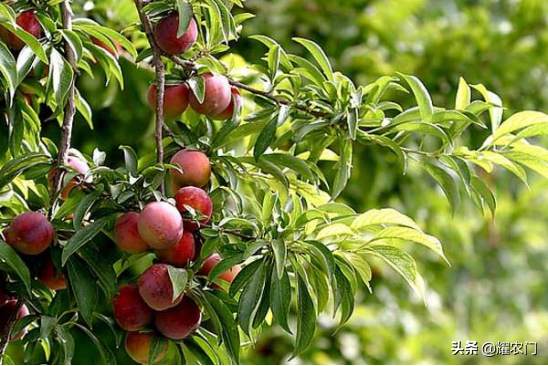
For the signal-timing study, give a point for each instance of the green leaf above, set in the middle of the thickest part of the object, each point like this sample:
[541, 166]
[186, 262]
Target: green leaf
[101, 268]
[179, 280]
[344, 295]
[230, 333]
[12, 259]
[280, 299]
[421, 95]
[8, 68]
[495, 111]
[60, 79]
[265, 138]
[84, 207]
[306, 318]
[487, 197]
[386, 216]
[75, 43]
[223, 266]
[344, 167]
[250, 300]
[386, 142]
[280, 255]
[28, 39]
[519, 121]
[47, 323]
[402, 263]
[335, 229]
[197, 85]
[185, 15]
[319, 55]
[15, 167]
[105, 352]
[67, 343]
[82, 237]
[244, 276]
[463, 95]
[447, 183]
[84, 288]
[291, 162]
[408, 234]
[131, 159]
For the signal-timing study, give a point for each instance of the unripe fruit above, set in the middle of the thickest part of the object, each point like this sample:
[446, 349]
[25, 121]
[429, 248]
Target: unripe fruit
[179, 322]
[26, 20]
[30, 233]
[138, 347]
[227, 276]
[127, 235]
[156, 288]
[160, 225]
[165, 35]
[181, 254]
[79, 165]
[229, 111]
[195, 166]
[199, 200]
[217, 95]
[50, 277]
[130, 311]
[6, 311]
[175, 99]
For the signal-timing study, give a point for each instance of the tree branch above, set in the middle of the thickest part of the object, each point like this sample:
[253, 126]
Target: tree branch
[5, 329]
[190, 67]
[160, 82]
[70, 108]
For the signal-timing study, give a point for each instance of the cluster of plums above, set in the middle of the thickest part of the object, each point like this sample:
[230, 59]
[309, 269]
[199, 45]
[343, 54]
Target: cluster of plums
[219, 97]
[31, 234]
[148, 308]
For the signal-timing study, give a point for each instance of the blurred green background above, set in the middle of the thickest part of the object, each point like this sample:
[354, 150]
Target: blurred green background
[495, 290]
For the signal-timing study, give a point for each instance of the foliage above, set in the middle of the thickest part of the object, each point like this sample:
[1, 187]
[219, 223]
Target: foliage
[277, 167]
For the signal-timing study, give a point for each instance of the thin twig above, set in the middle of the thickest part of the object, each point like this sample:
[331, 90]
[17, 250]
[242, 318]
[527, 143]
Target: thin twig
[160, 82]
[6, 328]
[70, 109]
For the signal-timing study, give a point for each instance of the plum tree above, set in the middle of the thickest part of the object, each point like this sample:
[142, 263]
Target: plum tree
[127, 235]
[199, 201]
[160, 225]
[276, 218]
[49, 275]
[180, 321]
[26, 20]
[130, 311]
[165, 35]
[181, 254]
[195, 166]
[236, 100]
[156, 288]
[30, 233]
[138, 346]
[217, 95]
[175, 99]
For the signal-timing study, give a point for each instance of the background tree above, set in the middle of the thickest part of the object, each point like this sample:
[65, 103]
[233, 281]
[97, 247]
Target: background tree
[277, 165]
